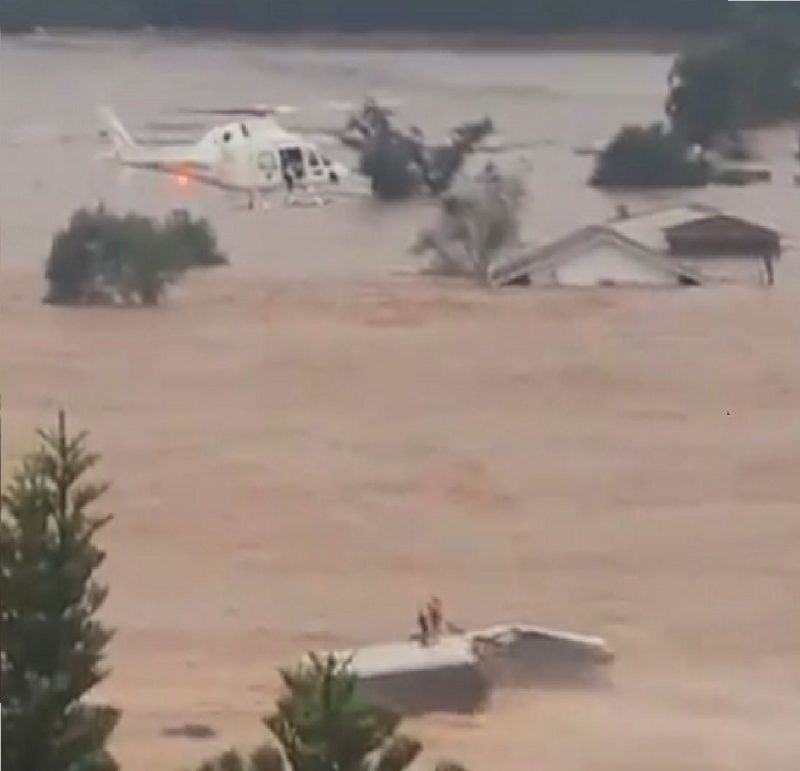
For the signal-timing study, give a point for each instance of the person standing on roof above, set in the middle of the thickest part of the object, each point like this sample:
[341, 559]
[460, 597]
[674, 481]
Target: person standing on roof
[435, 616]
[424, 628]
[769, 270]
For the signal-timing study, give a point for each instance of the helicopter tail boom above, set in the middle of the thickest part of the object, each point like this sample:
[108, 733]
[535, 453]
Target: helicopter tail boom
[119, 135]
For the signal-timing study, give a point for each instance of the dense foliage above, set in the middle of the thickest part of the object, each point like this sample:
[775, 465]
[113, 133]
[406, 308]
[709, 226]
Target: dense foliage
[391, 168]
[648, 156]
[358, 15]
[104, 258]
[478, 224]
[748, 80]
[53, 646]
[321, 724]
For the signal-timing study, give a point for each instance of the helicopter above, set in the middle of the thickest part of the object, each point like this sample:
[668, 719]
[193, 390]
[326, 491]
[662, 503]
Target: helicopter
[253, 155]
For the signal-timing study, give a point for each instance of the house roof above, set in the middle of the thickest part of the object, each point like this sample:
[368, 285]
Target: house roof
[649, 228]
[508, 634]
[564, 248]
[448, 652]
[717, 224]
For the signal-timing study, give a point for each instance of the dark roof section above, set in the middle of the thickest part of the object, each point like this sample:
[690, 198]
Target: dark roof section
[722, 234]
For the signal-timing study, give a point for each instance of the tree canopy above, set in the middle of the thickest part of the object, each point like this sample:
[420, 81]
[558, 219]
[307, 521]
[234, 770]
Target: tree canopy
[749, 79]
[53, 646]
[648, 156]
[321, 724]
[102, 258]
[362, 15]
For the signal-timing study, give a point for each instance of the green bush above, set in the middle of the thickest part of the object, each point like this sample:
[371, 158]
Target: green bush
[193, 240]
[102, 258]
[648, 156]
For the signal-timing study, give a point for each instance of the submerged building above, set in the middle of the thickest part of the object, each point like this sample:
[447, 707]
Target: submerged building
[457, 672]
[675, 246]
[443, 676]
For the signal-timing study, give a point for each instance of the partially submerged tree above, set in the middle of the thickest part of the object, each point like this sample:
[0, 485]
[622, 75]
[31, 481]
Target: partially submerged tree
[478, 224]
[702, 101]
[192, 241]
[392, 163]
[105, 258]
[648, 156]
[400, 163]
[748, 80]
[53, 645]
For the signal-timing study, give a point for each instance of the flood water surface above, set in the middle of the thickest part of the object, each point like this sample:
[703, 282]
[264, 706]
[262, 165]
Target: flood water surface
[304, 446]
[50, 89]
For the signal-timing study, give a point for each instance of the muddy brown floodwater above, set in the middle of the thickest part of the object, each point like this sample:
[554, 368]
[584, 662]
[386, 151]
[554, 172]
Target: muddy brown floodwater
[304, 445]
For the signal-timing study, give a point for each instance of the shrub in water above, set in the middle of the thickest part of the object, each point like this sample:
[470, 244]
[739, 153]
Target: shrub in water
[648, 156]
[193, 240]
[104, 258]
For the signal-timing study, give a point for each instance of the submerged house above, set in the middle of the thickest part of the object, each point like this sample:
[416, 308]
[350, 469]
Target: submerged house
[675, 246]
[594, 256]
[457, 672]
[521, 656]
[412, 678]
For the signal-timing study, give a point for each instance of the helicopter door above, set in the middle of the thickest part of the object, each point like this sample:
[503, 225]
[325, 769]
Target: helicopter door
[228, 169]
[316, 170]
[292, 164]
[268, 166]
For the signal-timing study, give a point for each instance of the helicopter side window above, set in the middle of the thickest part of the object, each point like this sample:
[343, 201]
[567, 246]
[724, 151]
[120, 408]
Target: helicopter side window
[315, 168]
[245, 132]
[226, 137]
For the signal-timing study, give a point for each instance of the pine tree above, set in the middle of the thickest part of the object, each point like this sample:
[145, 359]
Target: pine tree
[52, 643]
[321, 723]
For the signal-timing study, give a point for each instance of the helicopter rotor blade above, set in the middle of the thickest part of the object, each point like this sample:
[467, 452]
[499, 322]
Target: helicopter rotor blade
[168, 127]
[387, 103]
[250, 111]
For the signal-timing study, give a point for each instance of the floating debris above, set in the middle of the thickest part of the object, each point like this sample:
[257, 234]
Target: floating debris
[190, 731]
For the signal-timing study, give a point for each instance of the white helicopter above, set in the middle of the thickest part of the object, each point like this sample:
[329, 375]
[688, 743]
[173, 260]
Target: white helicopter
[255, 156]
